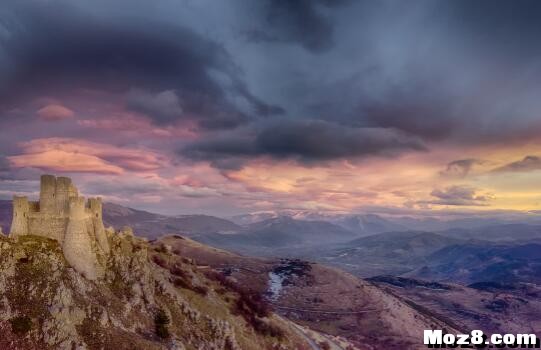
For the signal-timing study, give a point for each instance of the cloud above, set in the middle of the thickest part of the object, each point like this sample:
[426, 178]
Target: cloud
[55, 112]
[166, 63]
[164, 105]
[458, 196]
[460, 167]
[72, 155]
[304, 22]
[303, 140]
[529, 163]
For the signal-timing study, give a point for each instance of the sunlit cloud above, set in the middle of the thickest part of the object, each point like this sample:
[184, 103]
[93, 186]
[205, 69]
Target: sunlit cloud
[55, 112]
[72, 155]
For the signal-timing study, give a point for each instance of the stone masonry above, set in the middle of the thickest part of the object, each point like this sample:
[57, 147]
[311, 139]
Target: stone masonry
[61, 214]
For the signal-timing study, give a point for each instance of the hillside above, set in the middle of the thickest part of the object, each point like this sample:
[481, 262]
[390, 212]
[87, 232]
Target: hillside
[482, 262]
[280, 236]
[149, 299]
[325, 299]
[384, 253]
[492, 307]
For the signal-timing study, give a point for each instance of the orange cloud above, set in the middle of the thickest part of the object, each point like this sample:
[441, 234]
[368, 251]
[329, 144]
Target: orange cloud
[72, 155]
[55, 112]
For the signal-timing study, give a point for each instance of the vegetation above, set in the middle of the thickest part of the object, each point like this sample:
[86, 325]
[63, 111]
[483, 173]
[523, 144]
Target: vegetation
[324, 345]
[20, 325]
[158, 260]
[161, 323]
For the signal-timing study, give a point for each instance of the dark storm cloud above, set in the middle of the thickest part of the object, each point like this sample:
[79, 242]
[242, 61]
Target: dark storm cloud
[460, 167]
[304, 140]
[302, 21]
[56, 45]
[164, 105]
[529, 163]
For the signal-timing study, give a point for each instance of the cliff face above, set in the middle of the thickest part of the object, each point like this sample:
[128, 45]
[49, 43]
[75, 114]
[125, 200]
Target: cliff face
[148, 298]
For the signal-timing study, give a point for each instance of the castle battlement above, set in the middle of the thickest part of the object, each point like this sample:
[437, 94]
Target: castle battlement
[61, 214]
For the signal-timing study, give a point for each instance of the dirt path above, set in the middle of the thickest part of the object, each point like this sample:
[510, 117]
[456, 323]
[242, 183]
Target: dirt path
[328, 312]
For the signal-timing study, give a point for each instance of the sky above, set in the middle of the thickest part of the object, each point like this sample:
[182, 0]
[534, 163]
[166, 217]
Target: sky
[228, 107]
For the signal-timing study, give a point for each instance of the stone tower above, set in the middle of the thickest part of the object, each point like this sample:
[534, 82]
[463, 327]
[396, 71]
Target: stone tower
[77, 245]
[63, 215]
[19, 223]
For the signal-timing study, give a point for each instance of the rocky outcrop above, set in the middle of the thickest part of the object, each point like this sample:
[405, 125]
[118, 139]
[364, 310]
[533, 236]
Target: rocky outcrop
[46, 304]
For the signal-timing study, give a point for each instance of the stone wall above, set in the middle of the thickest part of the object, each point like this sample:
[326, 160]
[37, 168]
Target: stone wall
[51, 226]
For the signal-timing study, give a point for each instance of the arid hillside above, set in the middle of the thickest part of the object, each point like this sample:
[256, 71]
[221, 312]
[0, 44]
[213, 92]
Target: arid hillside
[324, 299]
[149, 299]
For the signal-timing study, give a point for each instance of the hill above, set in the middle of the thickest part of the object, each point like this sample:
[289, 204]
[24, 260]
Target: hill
[325, 299]
[493, 308]
[480, 262]
[149, 299]
[279, 236]
[384, 253]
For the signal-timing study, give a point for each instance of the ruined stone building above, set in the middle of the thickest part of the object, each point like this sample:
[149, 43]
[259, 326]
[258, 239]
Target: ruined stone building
[61, 214]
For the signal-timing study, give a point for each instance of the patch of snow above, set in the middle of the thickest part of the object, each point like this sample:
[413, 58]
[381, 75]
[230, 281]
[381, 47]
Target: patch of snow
[275, 285]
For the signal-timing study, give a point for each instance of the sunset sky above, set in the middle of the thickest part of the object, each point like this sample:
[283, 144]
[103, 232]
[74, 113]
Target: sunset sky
[227, 107]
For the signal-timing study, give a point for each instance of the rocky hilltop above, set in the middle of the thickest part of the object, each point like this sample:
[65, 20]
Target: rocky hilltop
[126, 294]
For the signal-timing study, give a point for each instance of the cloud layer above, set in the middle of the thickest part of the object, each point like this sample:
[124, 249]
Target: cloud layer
[333, 105]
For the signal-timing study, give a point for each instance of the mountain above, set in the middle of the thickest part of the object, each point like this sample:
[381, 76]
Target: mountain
[279, 235]
[152, 225]
[361, 224]
[149, 298]
[384, 253]
[481, 262]
[146, 224]
[368, 224]
[497, 233]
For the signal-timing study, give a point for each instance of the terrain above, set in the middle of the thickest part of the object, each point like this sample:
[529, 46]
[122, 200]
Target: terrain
[491, 307]
[346, 284]
[324, 299]
[149, 299]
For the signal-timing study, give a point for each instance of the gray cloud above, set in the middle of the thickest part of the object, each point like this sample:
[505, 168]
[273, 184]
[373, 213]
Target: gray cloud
[69, 48]
[303, 22]
[458, 196]
[460, 167]
[164, 105]
[528, 163]
[304, 140]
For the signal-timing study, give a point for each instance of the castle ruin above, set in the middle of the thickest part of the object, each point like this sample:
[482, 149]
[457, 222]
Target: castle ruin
[61, 214]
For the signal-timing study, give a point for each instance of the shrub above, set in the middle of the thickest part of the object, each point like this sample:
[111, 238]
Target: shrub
[20, 325]
[252, 303]
[324, 345]
[161, 249]
[177, 271]
[182, 283]
[161, 321]
[202, 290]
[266, 328]
[158, 260]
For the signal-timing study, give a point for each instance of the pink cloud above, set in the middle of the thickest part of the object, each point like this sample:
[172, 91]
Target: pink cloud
[55, 112]
[136, 125]
[72, 155]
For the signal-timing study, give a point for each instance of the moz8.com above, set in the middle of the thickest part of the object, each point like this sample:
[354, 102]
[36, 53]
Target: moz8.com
[436, 339]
